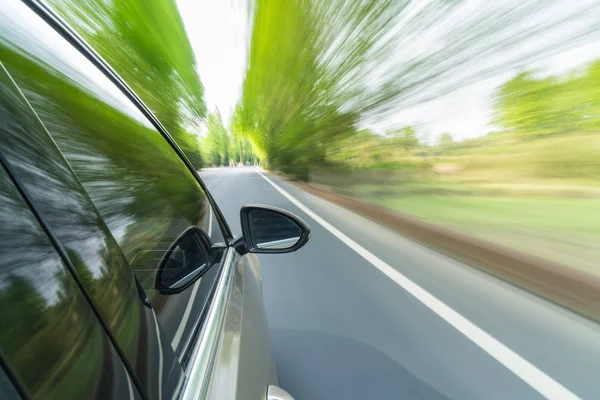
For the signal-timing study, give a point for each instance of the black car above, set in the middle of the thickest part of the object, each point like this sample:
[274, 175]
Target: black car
[119, 277]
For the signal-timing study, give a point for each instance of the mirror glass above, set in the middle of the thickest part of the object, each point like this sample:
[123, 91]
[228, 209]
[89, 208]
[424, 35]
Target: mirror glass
[185, 260]
[271, 230]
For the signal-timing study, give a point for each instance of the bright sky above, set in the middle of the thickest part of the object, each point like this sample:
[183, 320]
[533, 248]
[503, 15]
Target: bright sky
[218, 32]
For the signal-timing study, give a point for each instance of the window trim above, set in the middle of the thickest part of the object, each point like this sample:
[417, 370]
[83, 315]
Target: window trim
[204, 352]
[64, 29]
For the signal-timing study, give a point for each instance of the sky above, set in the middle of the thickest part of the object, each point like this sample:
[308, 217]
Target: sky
[218, 31]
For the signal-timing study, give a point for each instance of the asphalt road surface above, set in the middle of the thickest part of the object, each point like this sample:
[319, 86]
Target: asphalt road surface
[363, 313]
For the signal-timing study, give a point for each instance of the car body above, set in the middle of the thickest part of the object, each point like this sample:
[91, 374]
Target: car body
[119, 276]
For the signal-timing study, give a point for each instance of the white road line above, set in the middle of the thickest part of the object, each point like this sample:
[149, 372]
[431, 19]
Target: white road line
[210, 218]
[186, 316]
[160, 357]
[211, 181]
[529, 373]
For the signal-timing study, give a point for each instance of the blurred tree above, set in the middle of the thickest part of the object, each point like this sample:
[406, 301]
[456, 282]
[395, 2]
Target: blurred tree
[216, 143]
[405, 137]
[591, 83]
[318, 68]
[446, 139]
[532, 107]
[241, 150]
[146, 43]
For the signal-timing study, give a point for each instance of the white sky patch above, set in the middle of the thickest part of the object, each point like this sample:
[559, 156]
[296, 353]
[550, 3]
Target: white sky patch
[218, 32]
[468, 112]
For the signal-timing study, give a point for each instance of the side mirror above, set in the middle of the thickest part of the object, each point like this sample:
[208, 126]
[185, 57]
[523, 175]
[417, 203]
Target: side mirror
[189, 257]
[267, 229]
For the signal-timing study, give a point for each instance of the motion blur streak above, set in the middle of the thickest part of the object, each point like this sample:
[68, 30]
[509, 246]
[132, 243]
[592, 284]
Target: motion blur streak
[483, 117]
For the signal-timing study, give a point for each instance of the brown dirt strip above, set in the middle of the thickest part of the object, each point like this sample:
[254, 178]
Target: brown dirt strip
[560, 284]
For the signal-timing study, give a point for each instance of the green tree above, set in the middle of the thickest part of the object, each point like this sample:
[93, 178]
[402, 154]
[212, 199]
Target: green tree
[529, 107]
[319, 68]
[446, 139]
[217, 141]
[404, 137]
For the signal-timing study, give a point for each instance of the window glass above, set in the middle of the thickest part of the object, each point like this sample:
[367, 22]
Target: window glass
[142, 190]
[97, 259]
[7, 390]
[50, 337]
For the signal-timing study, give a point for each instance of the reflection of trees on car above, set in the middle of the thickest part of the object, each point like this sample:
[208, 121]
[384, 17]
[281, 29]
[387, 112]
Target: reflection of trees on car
[41, 305]
[92, 137]
[146, 43]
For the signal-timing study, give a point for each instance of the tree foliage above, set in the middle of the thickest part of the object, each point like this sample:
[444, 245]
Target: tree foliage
[319, 68]
[404, 137]
[216, 142]
[530, 106]
[222, 148]
[446, 139]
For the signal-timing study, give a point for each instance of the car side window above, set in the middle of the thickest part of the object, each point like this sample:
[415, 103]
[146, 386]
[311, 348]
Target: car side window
[142, 190]
[51, 340]
[89, 245]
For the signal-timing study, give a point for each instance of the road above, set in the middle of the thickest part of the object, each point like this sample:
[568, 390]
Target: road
[363, 313]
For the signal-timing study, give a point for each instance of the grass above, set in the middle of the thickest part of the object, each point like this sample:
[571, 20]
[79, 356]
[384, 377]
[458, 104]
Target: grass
[538, 196]
[565, 230]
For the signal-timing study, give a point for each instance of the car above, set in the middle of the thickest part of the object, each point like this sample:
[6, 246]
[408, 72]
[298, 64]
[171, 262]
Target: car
[119, 276]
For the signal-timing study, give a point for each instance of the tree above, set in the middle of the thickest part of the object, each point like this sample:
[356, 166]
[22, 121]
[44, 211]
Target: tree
[216, 144]
[317, 69]
[530, 107]
[522, 105]
[405, 137]
[446, 139]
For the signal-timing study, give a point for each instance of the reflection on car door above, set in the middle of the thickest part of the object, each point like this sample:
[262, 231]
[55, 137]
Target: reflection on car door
[139, 186]
[87, 243]
[51, 341]
[244, 366]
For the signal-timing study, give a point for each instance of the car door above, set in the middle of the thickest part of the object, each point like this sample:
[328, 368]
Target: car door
[117, 193]
[53, 344]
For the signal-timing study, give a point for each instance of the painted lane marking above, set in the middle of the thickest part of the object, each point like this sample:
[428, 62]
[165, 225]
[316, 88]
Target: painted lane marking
[210, 218]
[186, 316]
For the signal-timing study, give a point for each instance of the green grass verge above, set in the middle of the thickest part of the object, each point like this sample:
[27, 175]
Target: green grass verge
[564, 230]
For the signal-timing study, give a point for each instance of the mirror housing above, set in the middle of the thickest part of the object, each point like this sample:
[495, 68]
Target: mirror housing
[267, 229]
[187, 259]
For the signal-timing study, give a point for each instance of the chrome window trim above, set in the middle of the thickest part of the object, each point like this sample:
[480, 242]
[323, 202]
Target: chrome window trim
[57, 23]
[188, 277]
[201, 363]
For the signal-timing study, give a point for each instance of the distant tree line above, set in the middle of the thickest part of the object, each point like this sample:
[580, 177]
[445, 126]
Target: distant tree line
[221, 148]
